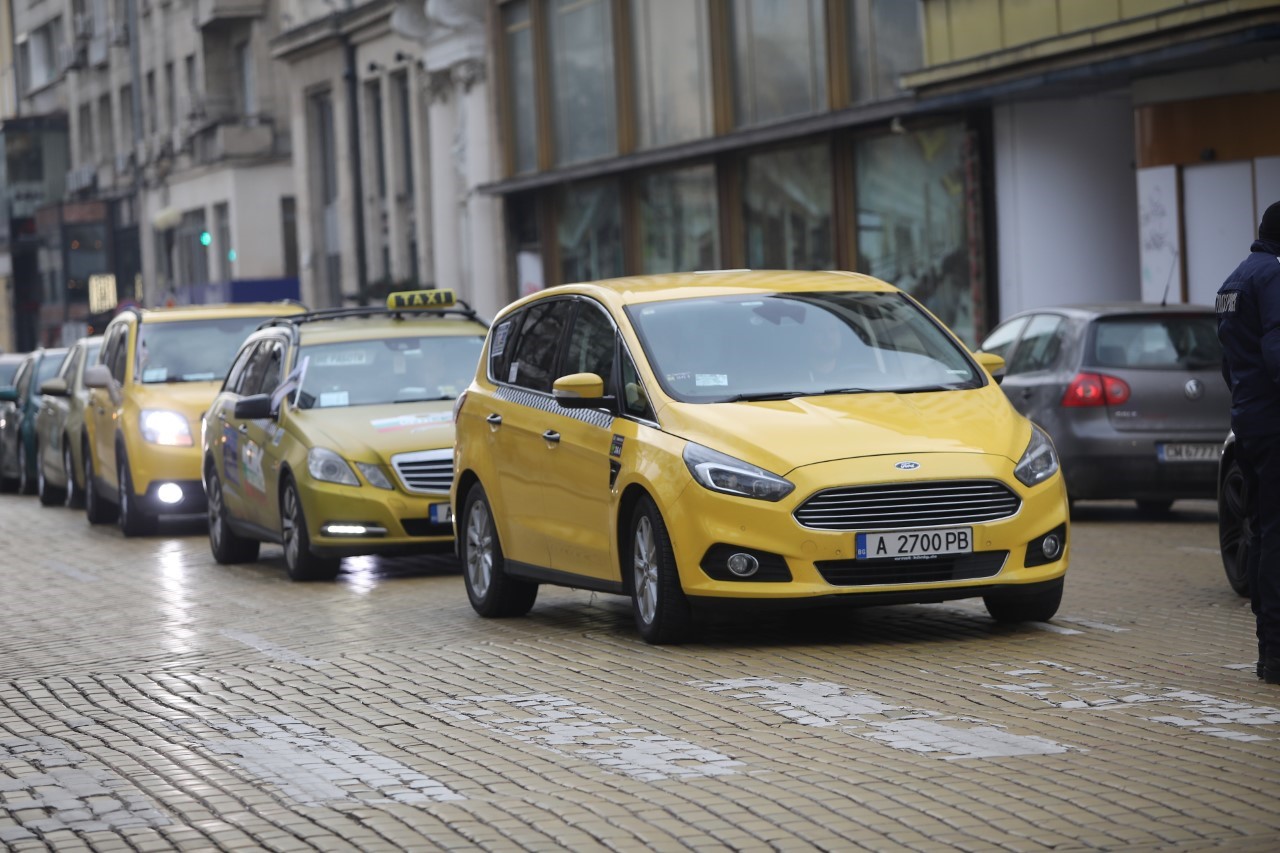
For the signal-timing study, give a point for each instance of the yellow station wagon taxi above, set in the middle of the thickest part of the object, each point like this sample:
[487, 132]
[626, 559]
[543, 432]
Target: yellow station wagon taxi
[333, 433]
[702, 440]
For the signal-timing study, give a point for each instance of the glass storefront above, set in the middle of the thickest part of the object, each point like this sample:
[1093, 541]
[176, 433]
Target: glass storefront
[590, 231]
[787, 200]
[679, 220]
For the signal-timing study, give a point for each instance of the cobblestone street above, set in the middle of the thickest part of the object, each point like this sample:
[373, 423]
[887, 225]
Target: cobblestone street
[153, 700]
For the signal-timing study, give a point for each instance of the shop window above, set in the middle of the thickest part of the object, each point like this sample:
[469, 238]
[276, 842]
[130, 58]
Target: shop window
[779, 59]
[672, 71]
[590, 231]
[580, 38]
[679, 221]
[787, 201]
[886, 41]
[916, 198]
[522, 102]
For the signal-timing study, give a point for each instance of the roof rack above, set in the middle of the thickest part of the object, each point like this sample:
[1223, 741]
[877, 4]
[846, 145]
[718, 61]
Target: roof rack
[366, 311]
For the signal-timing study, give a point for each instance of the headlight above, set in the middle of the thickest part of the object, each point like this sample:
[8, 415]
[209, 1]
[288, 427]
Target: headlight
[160, 426]
[1039, 462]
[375, 476]
[329, 467]
[721, 473]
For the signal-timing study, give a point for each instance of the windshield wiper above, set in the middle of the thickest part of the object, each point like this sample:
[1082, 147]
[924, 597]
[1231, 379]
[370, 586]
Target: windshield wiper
[765, 396]
[850, 390]
[921, 388]
[434, 399]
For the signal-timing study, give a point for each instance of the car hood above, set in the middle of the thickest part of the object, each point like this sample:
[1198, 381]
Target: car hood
[191, 399]
[376, 433]
[783, 435]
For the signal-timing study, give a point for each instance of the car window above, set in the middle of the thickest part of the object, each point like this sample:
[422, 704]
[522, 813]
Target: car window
[23, 379]
[8, 370]
[67, 371]
[392, 370]
[190, 350]
[501, 344]
[534, 358]
[1159, 342]
[235, 376]
[47, 369]
[635, 399]
[999, 341]
[272, 364]
[119, 354]
[251, 379]
[591, 345]
[1040, 344]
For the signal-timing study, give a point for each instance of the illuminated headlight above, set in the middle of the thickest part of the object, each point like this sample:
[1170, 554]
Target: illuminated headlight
[340, 528]
[721, 473]
[160, 426]
[328, 467]
[1039, 462]
[374, 475]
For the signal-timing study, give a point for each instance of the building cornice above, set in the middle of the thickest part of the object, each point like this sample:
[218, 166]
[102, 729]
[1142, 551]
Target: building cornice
[322, 33]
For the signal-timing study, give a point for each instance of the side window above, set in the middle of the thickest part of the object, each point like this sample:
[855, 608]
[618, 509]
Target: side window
[109, 346]
[534, 358]
[635, 400]
[999, 341]
[591, 345]
[273, 360]
[23, 379]
[1040, 345]
[68, 369]
[500, 344]
[235, 376]
[120, 354]
[256, 369]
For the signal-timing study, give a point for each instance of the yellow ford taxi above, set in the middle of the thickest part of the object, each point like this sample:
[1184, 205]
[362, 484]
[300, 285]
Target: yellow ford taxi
[333, 433]
[156, 373]
[704, 440]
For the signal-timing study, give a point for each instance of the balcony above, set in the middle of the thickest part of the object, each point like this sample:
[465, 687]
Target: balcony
[211, 13]
[233, 140]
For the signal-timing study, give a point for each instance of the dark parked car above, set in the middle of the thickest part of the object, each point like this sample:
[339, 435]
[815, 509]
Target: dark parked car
[1233, 522]
[19, 403]
[1131, 393]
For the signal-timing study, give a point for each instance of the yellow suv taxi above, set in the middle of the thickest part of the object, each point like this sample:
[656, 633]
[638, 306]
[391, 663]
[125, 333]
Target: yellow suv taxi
[759, 438]
[157, 372]
[333, 433]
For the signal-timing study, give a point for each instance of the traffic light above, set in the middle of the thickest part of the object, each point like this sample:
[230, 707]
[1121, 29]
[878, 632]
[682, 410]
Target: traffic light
[205, 238]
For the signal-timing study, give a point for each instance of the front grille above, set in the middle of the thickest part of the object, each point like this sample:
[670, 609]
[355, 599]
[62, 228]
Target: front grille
[426, 471]
[963, 567]
[894, 506]
[425, 527]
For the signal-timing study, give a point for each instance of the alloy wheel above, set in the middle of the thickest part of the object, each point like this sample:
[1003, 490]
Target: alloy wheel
[479, 548]
[289, 522]
[644, 556]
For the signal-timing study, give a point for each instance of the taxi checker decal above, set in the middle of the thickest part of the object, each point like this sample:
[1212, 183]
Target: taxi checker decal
[546, 403]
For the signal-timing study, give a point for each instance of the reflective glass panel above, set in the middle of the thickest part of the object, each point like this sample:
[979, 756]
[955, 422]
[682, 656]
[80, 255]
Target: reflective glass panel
[673, 70]
[787, 202]
[886, 41]
[580, 38]
[779, 59]
[590, 231]
[679, 225]
[520, 85]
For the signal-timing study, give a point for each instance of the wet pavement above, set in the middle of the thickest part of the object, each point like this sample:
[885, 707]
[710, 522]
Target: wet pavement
[152, 700]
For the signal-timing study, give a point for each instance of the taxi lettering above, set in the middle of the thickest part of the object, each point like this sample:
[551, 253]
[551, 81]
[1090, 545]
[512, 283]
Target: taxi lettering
[421, 299]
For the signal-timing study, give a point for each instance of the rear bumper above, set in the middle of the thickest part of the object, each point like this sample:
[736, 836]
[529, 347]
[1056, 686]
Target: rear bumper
[1126, 466]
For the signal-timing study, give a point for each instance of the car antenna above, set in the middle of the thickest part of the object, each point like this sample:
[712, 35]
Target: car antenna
[1164, 300]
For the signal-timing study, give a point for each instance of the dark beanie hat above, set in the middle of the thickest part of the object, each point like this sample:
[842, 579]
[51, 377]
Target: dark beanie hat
[1269, 228]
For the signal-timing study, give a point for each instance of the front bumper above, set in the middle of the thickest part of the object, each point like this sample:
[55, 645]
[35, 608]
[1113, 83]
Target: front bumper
[193, 499]
[399, 523]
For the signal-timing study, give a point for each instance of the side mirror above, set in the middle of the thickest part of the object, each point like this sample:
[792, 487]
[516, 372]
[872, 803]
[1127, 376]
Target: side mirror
[54, 387]
[254, 408]
[993, 363]
[8, 394]
[580, 391]
[97, 376]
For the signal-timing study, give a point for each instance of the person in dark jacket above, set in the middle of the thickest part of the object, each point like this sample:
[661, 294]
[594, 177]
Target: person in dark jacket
[1248, 306]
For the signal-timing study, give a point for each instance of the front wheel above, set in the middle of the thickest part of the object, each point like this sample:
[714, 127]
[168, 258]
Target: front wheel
[1235, 528]
[74, 494]
[49, 495]
[302, 564]
[226, 545]
[662, 612]
[97, 510]
[134, 521]
[26, 483]
[1034, 605]
[492, 592]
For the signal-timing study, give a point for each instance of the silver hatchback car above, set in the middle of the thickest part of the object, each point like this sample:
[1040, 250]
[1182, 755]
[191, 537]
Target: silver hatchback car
[1131, 393]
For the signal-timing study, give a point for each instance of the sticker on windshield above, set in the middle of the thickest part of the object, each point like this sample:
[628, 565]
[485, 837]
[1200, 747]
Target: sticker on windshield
[710, 379]
[406, 421]
[155, 374]
[333, 398]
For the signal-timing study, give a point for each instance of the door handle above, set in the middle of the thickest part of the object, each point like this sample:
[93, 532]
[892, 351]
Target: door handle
[494, 420]
[551, 436]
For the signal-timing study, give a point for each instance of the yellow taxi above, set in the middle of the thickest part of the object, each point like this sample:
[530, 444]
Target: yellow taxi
[157, 371]
[333, 433]
[704, 440]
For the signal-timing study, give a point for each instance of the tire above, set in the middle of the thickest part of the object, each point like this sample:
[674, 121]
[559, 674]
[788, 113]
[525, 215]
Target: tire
[49, 496]
[662, 612]
[132, 519]
[1038, 605]
[492, 592]
[97, 510]
[73, 494]
[298, 559]
[1153, 507]
[26, 484]
[1234, 528]
[227, 546]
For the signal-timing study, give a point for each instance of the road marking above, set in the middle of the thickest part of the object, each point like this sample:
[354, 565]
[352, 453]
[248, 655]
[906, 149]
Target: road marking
[865, 715]
[66, 790]
[269, 648]
[568, 728]
[312, 768]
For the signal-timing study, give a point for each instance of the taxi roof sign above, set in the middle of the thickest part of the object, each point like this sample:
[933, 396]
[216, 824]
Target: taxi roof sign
[421, 300]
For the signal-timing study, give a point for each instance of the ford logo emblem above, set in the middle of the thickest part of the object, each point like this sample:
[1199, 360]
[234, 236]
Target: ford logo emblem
[907, 466]
[1194, 389]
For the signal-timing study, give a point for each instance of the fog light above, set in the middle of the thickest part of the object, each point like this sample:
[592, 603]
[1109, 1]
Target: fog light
[743, 565]
[1051, 547]
[169, 493]
[345, 530]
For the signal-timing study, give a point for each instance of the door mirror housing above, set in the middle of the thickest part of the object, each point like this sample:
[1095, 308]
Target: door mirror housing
[54, 387]
[8, 394]
[580, 391]
[255, 407]
[993, 364]
[97, 376]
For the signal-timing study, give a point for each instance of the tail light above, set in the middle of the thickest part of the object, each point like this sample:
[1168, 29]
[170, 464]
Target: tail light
[1095, 389]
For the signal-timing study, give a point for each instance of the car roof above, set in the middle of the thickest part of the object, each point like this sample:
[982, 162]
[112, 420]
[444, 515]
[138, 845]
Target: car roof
[223, 311]
[379, 326]
[1093, 310]
[12, 356]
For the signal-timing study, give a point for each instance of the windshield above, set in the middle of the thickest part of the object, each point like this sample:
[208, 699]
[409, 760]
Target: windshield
[7, 371]
[721, 349]
[1187, 342]
[190, 350]
[49, 367]
[393, 370]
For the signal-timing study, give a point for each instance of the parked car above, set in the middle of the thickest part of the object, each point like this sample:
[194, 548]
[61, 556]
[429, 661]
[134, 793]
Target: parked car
[158, 371]
[9, 363]
[770, 439]
[18, 406]
[1132, 395]
[1234, 523]
[60, 428]
[333, 434]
